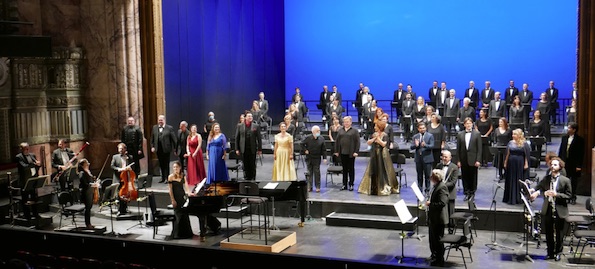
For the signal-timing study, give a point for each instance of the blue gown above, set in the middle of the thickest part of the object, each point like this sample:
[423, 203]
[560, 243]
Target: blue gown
[515, 171]
[217, 170]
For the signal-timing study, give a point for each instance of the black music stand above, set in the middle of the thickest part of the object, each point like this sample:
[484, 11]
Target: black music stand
[404, 217]
[494, 245]
[111, 218]
[538, 141]
[531, 215]
[143, 182]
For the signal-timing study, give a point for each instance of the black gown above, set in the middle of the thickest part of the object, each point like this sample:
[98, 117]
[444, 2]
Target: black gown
[537, 129]
[515, 171]
[483, 127]
[439, 134]
[502, 140]
[181, 226]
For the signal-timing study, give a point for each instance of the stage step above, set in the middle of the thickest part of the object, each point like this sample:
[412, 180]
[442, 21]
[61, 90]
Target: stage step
[366, 221]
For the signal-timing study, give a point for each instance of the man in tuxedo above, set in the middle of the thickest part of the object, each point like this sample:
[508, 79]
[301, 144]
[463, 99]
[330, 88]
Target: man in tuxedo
[357, 102]
[451, 110]
[336, 94]
[248, 143]
[552, 97]
[347, 148]
[410, 91]
[572, 152]
[574, 93]
[183, 134]
[451, 175]
[263, 105]
[469, 151]
[407, 109]
[437, 217]
[487, 95]
[496, 109]
[132, 136]
[163, 141]
[28, 166]
[509, 95]
[526, 96]
[61, 162]
[441, 97]
[556, 191]
[432, 92]
[473, 94]
[121, 163]
[398, 97]
[423, 142]
[324, 100]
[296, 94]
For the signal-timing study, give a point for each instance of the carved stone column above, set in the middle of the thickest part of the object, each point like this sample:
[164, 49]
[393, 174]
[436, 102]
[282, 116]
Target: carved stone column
[5, 107]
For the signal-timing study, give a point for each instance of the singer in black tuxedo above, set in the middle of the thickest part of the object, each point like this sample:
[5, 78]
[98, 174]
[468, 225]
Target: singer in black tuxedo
[437, 217]
[470, 155]
[248, 143]
[552, 97]
[473, 94]
[163, 141]
[555, 209]
[572, 152]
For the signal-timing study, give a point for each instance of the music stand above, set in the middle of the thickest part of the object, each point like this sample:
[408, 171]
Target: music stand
[494, 245]
[404, 217]
[420, 198]
[143, 182]
[527, 210]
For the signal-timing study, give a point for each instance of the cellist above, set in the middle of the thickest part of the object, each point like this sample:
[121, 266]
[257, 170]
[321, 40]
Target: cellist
[87, 184]
[120, 163]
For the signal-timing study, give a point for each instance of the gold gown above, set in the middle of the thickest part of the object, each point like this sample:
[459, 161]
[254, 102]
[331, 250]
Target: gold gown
[283, 166]
[379, 177]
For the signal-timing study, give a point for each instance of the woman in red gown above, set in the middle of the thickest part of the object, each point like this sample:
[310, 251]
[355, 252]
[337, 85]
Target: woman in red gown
[196, 164]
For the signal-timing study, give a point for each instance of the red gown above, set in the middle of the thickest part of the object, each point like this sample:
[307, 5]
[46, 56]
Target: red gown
[196, 165]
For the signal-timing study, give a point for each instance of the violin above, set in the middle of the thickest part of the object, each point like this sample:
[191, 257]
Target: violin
[128, 192]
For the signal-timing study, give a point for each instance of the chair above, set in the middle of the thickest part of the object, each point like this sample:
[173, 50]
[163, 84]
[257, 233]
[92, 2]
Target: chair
[159, 217]
[580, 227]
[399, 159]
[333, 169]
[533, 165]
[68, 208]
[234, 164]
[458, 241]
[249, 193]
[461, 217]
[298, 154]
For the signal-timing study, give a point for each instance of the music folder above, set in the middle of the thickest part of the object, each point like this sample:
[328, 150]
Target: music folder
[403, 212]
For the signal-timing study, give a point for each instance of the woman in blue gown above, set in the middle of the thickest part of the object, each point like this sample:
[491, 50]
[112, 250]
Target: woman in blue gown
[216, 155]
[516, 164]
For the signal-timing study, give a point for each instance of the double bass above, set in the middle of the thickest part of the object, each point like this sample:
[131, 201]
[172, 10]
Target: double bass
[128, 192]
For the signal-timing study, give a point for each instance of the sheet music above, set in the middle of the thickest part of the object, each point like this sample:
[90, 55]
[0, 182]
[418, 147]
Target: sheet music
[528, 206]
[200, 185]
[33, 171]
[186, 203]
[270, 186]
[402, 211]
[525, 188]
[417, 192]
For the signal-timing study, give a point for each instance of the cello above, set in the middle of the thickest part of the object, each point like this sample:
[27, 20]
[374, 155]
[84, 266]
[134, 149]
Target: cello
[128, 192]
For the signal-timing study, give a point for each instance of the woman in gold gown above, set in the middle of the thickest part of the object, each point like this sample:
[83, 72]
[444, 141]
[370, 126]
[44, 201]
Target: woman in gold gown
[380, 170]
[283, 165]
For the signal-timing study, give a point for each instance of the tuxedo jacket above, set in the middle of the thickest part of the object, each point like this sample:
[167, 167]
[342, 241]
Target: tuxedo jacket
[451, 110]
[423, 153]
[57, 157]
[508, 97]
[324, 100]
[117, 163]
[358, 98]
[263, 105]
[563, 190]
[552, 98]
[407, 107]
[255, 138]
[181, 146]
[338, 96]
[526, 96]
[398, 97]
[438, 210]
[24, 167]
[497, 112]
[439, 99]
[468, 156]
[450, 178]
[490, 97]
[168, 138]
[574, 156]
[432, 96]
[474, 96]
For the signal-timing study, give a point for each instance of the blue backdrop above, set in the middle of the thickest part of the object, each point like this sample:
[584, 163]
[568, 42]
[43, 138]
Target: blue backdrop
[384, 42]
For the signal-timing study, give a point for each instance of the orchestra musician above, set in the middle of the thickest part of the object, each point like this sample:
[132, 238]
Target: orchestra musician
[87, 184]
[120, 163]
[28, 166]
[132, 136]
[61, 162]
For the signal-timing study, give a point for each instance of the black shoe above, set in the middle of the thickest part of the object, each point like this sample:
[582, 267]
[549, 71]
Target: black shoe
[350, 187]
[550, 257]
[437, 263]
[557, 257]
[344, 188]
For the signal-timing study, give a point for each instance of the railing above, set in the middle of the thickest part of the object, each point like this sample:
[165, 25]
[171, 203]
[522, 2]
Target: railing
[386, 105]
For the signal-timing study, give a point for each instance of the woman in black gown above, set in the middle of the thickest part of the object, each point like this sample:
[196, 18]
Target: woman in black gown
[502, 135]
[516, 114]
[536, 130]
[178, 189]
[484, 126]
[516, 164]
[419, 112]
[436, 128]
[544, 107]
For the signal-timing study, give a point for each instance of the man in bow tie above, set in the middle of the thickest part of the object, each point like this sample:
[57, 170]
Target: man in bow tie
[469, 150]
[163, 141]
[572, 152]
[61, 157]
[556, 190]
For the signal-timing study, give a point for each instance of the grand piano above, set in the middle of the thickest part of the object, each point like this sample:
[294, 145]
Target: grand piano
[213, 198]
